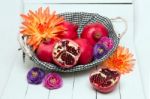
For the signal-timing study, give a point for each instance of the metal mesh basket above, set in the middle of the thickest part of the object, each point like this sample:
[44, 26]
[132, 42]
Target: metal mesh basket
[81, 19]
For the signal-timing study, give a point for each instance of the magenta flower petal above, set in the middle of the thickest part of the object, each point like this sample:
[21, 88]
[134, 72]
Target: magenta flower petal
[35, 75]
[53, 81]
[108, 42]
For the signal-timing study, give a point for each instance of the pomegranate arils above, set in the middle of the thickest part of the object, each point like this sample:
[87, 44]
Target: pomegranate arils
[110, 74]
[72, 50]
[97, 79]
[64, 43]
[67, 58]
[106, 83]
[59, 47]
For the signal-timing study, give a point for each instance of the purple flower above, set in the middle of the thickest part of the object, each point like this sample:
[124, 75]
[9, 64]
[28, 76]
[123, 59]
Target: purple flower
[53, 81]
[108, 42]
[99, 51]
[35, 75]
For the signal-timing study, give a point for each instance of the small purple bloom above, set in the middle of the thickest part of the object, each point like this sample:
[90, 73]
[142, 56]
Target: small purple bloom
[108, 42]
[99, 51]
[53, 81]
[35, 75]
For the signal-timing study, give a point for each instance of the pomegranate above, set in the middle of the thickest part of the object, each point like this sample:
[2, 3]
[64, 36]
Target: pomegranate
[71, 30]
[86, 51]
[44, 51]
[93, 32]
[104, 80]
[66, 53]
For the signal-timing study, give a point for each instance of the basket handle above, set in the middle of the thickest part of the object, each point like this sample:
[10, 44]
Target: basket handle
[24, 46]
[120, 35]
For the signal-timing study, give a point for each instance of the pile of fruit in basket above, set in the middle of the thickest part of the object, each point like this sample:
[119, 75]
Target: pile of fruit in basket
[55, 40]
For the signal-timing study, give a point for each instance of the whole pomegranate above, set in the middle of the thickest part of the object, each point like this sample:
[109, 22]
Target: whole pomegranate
[44, 51]
[86, 51]
[104, 80]
[93, 32]
[66, 53]
[70, 32]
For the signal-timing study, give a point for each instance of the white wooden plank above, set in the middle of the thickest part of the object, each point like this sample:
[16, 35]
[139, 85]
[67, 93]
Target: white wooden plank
[17, 84]
[78, 1]
[142, 42]
[82, 88]
[142, 50]
[38, 89]
[66, 91]
[6, 68]
[8, 42]
[130, 84]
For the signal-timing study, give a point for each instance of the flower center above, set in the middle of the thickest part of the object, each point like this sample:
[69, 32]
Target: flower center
[53, 80]
[100, 50]
[34, 74]
[118, 62]
[42, 27]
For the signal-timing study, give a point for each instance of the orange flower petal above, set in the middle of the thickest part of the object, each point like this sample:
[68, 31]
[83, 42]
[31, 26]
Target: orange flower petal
[41, 25]
[121, 60]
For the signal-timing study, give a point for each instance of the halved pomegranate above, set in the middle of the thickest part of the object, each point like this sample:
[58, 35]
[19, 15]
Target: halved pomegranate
[66, 53]
[104, 80]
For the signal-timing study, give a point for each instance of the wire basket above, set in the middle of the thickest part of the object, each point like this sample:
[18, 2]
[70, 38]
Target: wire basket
[81, 19]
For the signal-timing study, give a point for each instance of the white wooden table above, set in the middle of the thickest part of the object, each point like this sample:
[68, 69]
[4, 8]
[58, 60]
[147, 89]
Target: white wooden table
[13, 84]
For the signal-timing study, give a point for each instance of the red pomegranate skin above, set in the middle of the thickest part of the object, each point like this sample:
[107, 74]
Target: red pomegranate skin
[93, 32]
[44, 51]
[86, 51]
[105, 89]
[71, 31]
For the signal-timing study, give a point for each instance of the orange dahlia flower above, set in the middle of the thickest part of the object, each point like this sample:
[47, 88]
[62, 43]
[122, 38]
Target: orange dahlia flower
[41, 25]
[121, 60]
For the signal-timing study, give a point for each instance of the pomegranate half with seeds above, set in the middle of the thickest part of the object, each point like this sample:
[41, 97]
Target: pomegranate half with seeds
[66, 53]
[104, 80]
